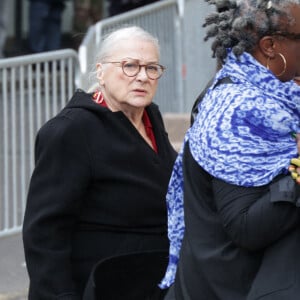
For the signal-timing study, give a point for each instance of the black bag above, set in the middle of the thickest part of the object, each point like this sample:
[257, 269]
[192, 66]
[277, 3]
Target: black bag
[133, 276]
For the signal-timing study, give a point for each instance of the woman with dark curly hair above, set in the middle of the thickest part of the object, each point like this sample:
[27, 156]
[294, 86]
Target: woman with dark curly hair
[233, 207]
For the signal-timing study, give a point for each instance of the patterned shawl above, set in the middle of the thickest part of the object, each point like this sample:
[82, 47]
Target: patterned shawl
[242, 135]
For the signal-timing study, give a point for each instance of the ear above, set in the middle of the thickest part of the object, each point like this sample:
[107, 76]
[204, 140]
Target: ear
[267, 46]
[100, 72]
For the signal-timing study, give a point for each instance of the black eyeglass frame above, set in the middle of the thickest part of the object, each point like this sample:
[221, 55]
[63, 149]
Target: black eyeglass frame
[289, 35]
[122, 63]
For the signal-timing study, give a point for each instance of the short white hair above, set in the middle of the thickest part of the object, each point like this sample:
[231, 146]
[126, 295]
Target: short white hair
[112, 40]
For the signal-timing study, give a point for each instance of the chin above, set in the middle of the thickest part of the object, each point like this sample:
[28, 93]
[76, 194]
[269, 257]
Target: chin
[141, 102]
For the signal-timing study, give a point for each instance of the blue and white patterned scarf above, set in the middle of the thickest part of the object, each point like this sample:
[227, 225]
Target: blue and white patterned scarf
[242, 135]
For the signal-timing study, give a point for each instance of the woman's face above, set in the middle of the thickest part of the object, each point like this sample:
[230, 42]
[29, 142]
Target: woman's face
[290, 46]
[120, 91]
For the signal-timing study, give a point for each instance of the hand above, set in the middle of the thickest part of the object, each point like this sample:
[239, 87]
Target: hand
[294, 167]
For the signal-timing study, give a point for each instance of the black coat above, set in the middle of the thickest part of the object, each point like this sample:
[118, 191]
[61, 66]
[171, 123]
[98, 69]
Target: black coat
[98, 189]
[240, 243]
[278, 277]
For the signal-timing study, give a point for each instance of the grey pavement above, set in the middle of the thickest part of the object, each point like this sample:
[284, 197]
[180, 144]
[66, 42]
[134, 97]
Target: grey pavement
[13, 274]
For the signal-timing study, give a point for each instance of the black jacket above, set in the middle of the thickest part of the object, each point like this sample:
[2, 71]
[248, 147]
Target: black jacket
[98, 189]
[240, 243]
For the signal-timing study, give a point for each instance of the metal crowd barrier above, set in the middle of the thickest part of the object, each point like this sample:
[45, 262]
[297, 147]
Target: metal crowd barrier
[33, 88]
[178, 27]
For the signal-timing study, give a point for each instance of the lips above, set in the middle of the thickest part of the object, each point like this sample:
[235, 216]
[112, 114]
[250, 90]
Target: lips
[140, 91]
[297, 79]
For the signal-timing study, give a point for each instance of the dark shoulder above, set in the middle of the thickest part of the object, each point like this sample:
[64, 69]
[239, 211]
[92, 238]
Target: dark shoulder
[154, 113]
[78, 113]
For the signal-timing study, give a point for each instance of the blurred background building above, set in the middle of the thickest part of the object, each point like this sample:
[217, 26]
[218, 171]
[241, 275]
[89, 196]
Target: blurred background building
[77, 16]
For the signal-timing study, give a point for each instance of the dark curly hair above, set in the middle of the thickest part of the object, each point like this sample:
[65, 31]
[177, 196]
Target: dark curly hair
[239, 24]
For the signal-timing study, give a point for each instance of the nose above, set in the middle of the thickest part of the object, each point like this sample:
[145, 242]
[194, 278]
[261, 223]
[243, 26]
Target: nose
[142, 74]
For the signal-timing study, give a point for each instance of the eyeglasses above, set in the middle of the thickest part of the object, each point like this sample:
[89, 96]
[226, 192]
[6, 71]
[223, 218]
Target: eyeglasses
[289, 35]
[132, 67]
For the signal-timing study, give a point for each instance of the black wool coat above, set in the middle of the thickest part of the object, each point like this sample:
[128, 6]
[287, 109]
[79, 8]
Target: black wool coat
[240, 243]
[97, 190]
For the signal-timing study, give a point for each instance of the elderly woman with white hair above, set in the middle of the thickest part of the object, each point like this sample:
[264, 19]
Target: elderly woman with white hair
[101, 175]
